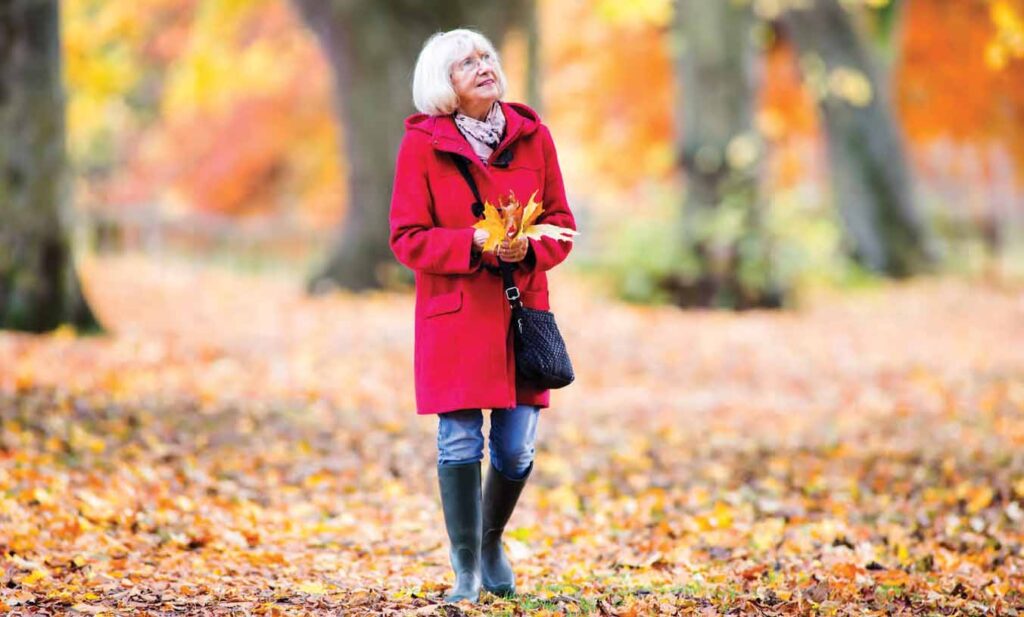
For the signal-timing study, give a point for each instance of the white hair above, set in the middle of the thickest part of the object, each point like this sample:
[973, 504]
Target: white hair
[432, 91]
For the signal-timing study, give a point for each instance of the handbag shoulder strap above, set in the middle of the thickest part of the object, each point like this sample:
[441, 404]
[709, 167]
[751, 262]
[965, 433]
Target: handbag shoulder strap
[511, 290]
[478, 205]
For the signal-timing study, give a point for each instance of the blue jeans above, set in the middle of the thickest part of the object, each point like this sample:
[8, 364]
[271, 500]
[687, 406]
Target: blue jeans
[513, 433]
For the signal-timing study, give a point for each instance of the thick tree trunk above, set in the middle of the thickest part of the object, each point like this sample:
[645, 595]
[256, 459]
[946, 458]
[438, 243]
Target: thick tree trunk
[870, 177]
[721, 154]
[39, 288]
[372, 46]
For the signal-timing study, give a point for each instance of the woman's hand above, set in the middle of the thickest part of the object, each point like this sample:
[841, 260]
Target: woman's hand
[513, 252]
[479, 237]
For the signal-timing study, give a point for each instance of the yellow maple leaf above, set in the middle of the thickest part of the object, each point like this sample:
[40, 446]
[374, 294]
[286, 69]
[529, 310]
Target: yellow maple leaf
[493, 224]
[515, 221]
[552, 231]
[531, 213]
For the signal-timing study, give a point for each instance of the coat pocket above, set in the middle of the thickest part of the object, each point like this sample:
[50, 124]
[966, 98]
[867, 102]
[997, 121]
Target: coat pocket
[443, 303]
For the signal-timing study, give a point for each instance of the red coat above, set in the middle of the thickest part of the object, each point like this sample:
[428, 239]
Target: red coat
[463, 349]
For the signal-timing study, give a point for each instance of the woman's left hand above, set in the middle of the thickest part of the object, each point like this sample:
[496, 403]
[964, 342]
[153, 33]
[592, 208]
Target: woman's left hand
[514, 251]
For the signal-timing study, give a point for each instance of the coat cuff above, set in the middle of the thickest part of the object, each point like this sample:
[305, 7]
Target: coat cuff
[529, 263]
[489, 259]
[469, 262]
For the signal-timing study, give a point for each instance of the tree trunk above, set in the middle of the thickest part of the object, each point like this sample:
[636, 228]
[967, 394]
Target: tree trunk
[529, 20]
[721, 154]
[39, 288]
[870, 177]
[372, 46]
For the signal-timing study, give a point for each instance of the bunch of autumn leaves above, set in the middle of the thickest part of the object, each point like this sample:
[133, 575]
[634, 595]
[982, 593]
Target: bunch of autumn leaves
[515, 220]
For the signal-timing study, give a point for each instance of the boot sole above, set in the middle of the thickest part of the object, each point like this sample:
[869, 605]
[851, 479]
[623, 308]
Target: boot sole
[504, 592]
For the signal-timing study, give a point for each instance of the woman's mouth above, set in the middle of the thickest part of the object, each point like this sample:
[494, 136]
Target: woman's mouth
[485, 82]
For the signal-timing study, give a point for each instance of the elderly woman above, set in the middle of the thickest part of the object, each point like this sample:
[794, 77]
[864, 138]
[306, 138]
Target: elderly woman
[463, 359]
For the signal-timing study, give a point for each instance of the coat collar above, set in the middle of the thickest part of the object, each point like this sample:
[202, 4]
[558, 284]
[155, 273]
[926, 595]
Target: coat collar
[520, 120]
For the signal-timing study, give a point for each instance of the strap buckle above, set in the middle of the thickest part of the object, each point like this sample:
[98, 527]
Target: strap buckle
[512, 293]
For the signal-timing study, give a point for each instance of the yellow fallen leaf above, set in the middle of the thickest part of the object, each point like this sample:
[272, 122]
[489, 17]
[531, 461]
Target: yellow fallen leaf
[981, 497]
[81, 607]
[63, 332]
[903, 553]
[36, 576]
[312, 587]
[43, 496]
[767, 533]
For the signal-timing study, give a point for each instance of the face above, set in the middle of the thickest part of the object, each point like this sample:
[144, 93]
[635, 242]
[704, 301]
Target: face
[474, 79]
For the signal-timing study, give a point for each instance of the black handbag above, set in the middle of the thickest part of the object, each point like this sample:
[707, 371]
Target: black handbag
[541, 358]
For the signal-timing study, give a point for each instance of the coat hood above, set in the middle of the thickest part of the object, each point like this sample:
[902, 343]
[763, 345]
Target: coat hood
[520, 120]
[515, 113]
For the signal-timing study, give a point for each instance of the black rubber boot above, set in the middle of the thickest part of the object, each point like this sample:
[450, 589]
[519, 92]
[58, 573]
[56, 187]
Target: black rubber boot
[460, 500]
[500, 497]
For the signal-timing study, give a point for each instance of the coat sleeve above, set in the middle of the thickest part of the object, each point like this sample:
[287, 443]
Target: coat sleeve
[414, 239]
[546, 253]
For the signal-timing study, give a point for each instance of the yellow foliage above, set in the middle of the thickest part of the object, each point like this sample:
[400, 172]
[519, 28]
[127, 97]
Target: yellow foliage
[100, 67]
[312, 587]
[851, 85]
[638, 12]
[158, 87]
[1008, 41]
[219, 66]
[36, 576]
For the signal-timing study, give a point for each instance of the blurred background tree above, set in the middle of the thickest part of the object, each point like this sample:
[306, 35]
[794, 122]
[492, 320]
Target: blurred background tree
[726, 257]
[722, 225]
[871, 182]
[869, 71]
[39, 288]
[372, 47]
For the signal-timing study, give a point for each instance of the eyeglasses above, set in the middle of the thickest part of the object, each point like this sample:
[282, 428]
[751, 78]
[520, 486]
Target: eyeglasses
[472, 63]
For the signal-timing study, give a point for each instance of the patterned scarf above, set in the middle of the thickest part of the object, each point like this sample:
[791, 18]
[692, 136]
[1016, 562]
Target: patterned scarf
[483, 136]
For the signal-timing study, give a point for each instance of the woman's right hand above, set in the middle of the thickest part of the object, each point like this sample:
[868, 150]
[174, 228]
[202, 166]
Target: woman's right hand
[479, 237]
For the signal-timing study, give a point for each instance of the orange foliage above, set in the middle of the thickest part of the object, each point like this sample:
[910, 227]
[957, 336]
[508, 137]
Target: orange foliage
[787, 117]
[608, 86]
[944, 86]
[611, 90]
[266, 151]
[948, 89]
[229, 109]
[268, 142]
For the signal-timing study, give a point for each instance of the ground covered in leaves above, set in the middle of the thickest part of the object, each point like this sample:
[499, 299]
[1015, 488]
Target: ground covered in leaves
[233, 447]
